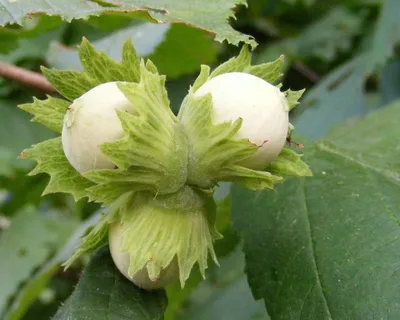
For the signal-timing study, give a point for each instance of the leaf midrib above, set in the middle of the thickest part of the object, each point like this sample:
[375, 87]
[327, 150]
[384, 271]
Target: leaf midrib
[314, 260]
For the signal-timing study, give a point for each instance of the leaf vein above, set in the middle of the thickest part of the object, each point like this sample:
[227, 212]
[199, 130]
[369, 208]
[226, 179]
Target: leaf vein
[386, 173]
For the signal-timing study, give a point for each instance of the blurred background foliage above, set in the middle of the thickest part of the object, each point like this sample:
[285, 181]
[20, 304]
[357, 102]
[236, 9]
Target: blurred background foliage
[343, 51]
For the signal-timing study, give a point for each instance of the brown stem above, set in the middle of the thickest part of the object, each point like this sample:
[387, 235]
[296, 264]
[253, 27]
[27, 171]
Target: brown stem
[25, 77]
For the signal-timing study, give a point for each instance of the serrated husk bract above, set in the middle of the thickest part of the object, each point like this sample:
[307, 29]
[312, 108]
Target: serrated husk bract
[155, 231]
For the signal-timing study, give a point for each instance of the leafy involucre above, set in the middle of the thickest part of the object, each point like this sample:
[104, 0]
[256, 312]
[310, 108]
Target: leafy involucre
[289, 164]
[49, 112]
[175, 57]
[51, 160]
[104, 293]
[156, 230]
[104, 69]
[153, 153]
[270, 71]
[293, 97]
[70, 84]
[252, 179]
[214, 149]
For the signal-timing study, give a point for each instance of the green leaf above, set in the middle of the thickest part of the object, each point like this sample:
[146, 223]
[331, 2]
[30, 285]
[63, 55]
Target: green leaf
[30, 292]
[29, 241]
[293, 97]
[16, 133]
[32, 289]
[212, 18]
[65, 57]
[104, 293]
[325, 39]
[174, 57]
[322, 247]
[50, 159]
[389, 82]
[336, 98]
[162, 45]
[49, 112]
[372, 141]
[6, 158]
[31, 48]
[30, 28]
[177, 296]
[386, 36]
[14, 12]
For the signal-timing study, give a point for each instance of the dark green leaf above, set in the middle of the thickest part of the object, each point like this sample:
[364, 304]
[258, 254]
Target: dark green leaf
[104, 293]
[326, 247]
